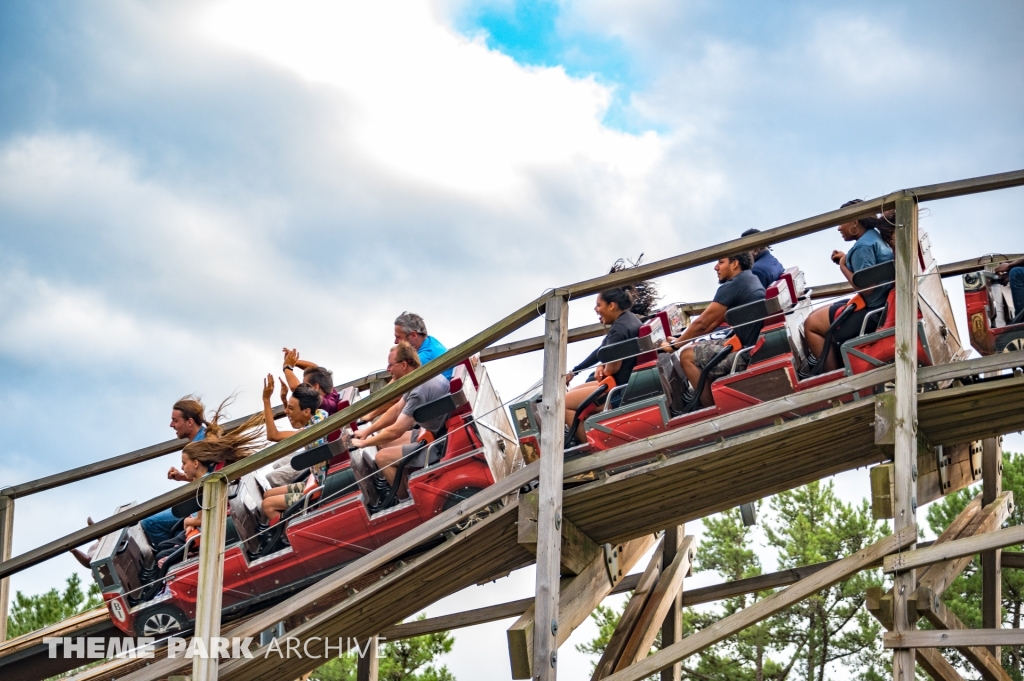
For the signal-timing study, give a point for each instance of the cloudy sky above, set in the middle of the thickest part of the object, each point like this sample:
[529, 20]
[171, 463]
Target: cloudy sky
[187, 187]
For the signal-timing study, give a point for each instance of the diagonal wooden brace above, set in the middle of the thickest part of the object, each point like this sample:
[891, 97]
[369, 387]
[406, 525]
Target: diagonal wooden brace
[630, 615]
[669, 584]
[935, 611]
[577, 598]
[767, 607]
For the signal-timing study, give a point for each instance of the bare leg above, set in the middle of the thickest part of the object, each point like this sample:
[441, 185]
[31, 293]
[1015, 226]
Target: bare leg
[815, 329]
[692, 371]
[273, 506]
[574, 398]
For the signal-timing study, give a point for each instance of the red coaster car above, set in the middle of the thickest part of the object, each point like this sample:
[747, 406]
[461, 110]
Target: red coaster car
[995, 325]
[658, 397]
[331, 526]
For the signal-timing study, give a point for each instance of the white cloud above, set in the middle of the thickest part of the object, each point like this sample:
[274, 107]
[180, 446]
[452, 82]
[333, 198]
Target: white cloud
[432, 105]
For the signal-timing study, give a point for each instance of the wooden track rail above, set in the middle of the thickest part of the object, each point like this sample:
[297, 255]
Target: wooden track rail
[645, 486]
[681, 488]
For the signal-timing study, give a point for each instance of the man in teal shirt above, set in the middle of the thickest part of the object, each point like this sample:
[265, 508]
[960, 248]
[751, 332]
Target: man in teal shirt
[411, 328]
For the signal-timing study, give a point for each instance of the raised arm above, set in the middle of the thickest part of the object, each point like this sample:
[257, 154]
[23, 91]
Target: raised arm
[273, 433]
[292, 362]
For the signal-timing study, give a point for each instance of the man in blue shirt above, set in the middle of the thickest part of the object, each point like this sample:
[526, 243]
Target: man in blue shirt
[188, 419]
[766, 267]
[411, 328]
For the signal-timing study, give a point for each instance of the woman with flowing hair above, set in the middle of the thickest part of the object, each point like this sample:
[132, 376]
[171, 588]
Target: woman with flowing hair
[617, 308]
[202, 457]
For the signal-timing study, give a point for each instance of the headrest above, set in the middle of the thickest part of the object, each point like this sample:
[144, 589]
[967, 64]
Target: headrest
[320, 454]
[194, 505]
[757, 311]
[625, 349]
[187, 508]
[883, 273]
[440, 407]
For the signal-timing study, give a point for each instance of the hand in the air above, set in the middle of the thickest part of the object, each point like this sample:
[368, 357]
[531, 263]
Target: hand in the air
[268, 387]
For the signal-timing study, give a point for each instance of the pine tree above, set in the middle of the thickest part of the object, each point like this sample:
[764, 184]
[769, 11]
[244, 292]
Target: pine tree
[806, 525]
[29, 613]
[811, 525]
[410, 659]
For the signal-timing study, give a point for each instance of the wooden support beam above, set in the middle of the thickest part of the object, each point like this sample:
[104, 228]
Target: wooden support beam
[959, 548]
[368, 664]
[577, 600]
[6, 540]
[670, 583]
[935, 611]
[634, 608]
[578, 550]
[549, 506]
[940, 470]
[954, 639]
[1012, 559]
[767, 607]
[211, 574]
[672, 625]
[904, 425]
[991, 561]
[929, 659]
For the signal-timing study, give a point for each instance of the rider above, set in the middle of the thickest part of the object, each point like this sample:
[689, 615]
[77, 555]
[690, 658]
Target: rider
[617, 308]
[188, 420]
[317, 376]
[389, 432]
[411, 328]
[200, 457]
[1014, 271]
[737, 286]
[766, 267]
[303, 410]
[874, 236]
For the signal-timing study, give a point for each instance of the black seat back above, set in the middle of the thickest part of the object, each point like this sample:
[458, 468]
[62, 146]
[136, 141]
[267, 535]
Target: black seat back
[625, 349]
[751, 313]
[319, 454]
[882, 273]
[440, 407]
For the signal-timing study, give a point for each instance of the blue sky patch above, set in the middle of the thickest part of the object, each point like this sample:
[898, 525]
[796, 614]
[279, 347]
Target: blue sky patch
[529, 31]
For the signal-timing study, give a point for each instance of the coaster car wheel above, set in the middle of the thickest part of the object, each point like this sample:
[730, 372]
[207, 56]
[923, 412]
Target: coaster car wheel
[161, 621]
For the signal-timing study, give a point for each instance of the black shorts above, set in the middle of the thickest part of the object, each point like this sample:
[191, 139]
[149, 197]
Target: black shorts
[850, 328]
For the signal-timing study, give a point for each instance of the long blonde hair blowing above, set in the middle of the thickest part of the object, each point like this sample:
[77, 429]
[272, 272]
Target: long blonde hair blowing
[231, 446]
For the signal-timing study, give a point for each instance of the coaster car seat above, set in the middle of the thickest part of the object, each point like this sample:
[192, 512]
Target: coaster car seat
[882, 276]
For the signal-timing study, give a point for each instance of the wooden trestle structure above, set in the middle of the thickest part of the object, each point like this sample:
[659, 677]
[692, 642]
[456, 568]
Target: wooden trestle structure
[612, 512]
